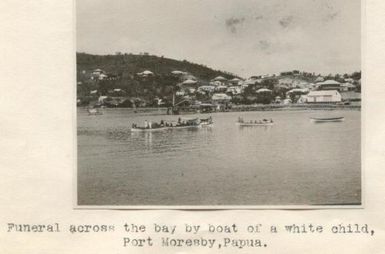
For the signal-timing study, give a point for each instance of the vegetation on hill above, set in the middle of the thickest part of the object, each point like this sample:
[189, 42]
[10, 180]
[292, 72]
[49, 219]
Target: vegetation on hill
[124, 69]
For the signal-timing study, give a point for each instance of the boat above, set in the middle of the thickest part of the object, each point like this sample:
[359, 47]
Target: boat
[185, 124]
[327, 119]
[254, 124]
[143, 129]
[207, 122]
[94, 112]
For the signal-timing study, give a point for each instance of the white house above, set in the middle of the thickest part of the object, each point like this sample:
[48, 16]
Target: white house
[176, 72]
[264, 90]
[145, 73]
[219, 80]
[102, 76]
[189, 82]
[206, 89]
[347, 87]
[329, 85]
[97, 72]
[234, 90]
[326, 96]
[221, 97]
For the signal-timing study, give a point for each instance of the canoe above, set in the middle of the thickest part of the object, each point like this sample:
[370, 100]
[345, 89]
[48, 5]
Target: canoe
[254, 124]
[327, 119]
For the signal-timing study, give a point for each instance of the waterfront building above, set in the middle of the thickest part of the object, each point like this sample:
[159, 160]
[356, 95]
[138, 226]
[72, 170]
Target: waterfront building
[327, 96]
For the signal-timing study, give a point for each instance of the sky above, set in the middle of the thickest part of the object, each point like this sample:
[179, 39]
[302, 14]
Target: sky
[245, 37]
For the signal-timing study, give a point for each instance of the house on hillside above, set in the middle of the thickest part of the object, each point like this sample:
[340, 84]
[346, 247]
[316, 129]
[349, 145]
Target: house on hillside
[145, 73]
[347, 87]
[235, 81]
[221, 98]
[189, 82]
[326, 96]
[220, 81]
[221, 88]
[329, 85]
[204, 89]
[102, 76]
[178, 73]
[97, 72]
[234, 90]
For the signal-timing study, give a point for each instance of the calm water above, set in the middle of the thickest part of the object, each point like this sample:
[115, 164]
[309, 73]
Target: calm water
[294, 162]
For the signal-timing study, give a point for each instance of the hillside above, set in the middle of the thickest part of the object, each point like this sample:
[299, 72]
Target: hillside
[121, 72]
[123, 64]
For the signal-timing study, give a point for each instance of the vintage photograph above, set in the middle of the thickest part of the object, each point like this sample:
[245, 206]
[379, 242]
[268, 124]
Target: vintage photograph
[218, 104]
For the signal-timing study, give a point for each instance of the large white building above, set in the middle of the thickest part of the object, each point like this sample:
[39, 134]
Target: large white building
[327, 96]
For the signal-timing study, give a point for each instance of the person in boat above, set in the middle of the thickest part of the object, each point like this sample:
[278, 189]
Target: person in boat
[161, 123]
[150, 125]
[145, 124]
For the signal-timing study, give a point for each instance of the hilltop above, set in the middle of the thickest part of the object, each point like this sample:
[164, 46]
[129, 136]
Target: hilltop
[123, 64]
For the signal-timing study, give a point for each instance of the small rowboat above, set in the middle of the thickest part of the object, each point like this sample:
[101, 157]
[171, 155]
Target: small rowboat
[328, 119]
[142, 129]
[254, 124]
[184, 127]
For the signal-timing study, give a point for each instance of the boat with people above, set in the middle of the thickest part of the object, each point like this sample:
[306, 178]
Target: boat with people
[164, 125]
[207, 122]
[143, 129]
[327, 119]
[263, 122]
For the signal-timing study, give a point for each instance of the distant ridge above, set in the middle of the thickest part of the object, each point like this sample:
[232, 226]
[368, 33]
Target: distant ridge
[129, 64]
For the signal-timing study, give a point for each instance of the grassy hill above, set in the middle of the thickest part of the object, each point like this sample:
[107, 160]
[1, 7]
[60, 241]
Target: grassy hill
[125, 68]
[124, 64]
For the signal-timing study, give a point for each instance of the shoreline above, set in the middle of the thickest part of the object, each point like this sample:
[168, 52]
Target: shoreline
[255, 107]
[293, 107]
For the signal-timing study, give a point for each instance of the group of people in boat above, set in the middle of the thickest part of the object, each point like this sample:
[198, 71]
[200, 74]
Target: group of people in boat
[263, 121]
[162, 123]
